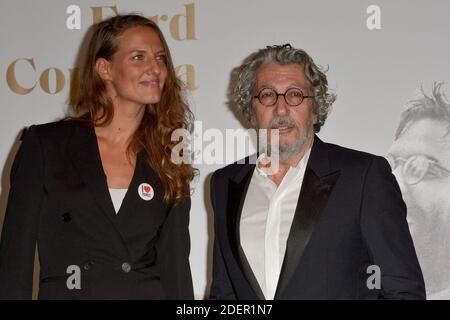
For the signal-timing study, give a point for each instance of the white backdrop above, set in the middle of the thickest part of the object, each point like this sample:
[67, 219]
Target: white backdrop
[374, 72]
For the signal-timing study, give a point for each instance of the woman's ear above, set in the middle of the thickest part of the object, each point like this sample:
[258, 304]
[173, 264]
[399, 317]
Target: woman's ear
[102, 66]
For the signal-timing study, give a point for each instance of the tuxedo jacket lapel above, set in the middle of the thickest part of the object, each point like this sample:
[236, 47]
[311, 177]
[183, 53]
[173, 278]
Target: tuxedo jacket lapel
[318, 182]
[237, 190]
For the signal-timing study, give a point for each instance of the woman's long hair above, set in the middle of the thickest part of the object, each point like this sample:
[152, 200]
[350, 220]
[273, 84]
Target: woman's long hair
[94, 106]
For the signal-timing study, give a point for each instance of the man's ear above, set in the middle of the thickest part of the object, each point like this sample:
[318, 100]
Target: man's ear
[252, 120]
[103, 68]
[314, 117]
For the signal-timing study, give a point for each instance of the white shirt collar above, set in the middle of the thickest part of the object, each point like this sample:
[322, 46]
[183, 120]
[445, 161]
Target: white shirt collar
[300, 167]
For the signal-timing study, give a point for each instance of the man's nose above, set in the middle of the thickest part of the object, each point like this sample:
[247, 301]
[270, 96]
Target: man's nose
[281, 107]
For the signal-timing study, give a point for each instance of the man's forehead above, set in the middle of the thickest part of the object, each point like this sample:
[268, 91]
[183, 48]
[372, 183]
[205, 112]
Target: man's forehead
[290, 68]
[427, 137]
[272, 72]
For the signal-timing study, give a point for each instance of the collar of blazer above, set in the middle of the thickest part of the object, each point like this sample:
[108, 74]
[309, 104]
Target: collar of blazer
[85, 156]
[319, 180]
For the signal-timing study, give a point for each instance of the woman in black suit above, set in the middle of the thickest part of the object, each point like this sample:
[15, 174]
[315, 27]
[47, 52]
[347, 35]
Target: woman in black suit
[98, 193]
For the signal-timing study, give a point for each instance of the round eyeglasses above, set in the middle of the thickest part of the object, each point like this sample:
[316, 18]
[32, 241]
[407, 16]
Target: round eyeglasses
[269, 97]
[418, 167]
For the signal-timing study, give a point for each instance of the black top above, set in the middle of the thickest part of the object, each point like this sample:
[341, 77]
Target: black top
[59, 199]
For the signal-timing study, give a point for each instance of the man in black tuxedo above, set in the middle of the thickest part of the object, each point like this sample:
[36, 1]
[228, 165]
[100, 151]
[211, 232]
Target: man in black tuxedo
[329, 223]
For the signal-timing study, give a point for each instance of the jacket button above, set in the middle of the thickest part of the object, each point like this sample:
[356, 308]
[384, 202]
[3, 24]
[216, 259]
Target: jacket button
[67, 217]
[126, 267]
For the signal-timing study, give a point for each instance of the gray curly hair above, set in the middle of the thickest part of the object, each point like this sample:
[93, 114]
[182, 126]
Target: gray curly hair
[435, 107]
[243, 90]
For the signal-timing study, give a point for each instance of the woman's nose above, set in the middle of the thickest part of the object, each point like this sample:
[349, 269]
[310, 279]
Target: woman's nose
[153, 67]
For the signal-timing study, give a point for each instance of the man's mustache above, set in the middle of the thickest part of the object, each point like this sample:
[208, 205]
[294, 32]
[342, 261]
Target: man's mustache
[285, 121]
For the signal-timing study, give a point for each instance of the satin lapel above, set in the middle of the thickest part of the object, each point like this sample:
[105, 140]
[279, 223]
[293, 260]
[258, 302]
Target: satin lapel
[86, 159]
[312, 200]
[237, 190]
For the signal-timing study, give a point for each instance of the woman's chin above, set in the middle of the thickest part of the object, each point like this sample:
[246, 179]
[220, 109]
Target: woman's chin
[152, 100]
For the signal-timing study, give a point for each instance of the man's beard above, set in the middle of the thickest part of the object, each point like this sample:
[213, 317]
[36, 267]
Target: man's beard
[288, 151]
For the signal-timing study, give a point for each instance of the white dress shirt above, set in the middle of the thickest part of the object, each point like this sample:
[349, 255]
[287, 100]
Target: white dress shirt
[117, 196]
[266, 220]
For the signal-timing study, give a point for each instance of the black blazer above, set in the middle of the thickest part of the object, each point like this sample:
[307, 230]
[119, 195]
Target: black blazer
[350, 215]
[59, 199]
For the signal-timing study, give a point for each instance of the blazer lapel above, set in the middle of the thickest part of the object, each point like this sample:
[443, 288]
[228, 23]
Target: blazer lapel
[84, 153]
[237, 190]
[132, 204]
[317, 185]
[130, 200]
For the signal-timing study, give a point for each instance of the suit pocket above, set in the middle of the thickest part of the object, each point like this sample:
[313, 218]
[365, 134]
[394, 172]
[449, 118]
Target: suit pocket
[53, 279]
